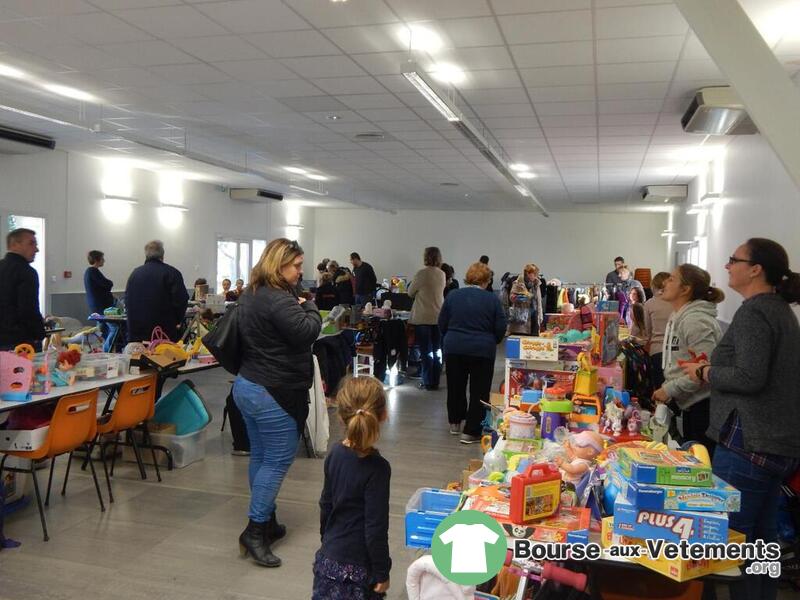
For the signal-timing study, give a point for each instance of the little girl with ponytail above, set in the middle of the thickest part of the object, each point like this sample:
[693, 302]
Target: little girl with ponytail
[354, 561]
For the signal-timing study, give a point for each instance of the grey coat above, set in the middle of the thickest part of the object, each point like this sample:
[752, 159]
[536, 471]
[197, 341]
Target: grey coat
[755, 370]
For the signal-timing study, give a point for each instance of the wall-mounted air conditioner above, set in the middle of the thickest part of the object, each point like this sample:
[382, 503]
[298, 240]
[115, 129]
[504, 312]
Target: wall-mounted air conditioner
[664, 194]
[254, 195]
[717, 111]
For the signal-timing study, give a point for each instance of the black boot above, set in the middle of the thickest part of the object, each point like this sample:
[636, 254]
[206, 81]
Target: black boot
[273, 531]
[253, 542]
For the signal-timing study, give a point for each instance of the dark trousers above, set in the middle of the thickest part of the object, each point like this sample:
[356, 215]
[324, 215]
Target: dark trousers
[695, 423]
[656, 371]
[429, 342]
[478, 371]
[238, 428]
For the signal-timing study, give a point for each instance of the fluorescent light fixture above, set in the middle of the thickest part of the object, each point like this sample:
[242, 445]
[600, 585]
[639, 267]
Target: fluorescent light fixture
[417, 79]
[296, 226]
[522, 190]
[667, 233]
[447, 73]
[696, 209]
[25, 113]
[69, 92]
[417, 37]
[177, 207]
[316, 177]
[123, 199]
[12, 72]
[518, 167]
[710, 198]
[526, 175]
[684, 242]
[303, 189]
[295, 170]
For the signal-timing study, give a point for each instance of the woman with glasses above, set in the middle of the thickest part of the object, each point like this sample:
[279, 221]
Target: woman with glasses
[277, 329]
[691, 330]
[754, 375]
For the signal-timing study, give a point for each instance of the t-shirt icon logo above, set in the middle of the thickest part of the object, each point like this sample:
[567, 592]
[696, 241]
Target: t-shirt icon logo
[469, 547]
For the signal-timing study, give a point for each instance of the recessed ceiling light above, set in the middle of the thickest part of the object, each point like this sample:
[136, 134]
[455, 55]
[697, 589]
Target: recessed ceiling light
[295, 170]
[333, 117]
[417, 37]
[12, 72]
[69, 92]
[447, 73]
[316, 177]
[527, 175]
[518, 167]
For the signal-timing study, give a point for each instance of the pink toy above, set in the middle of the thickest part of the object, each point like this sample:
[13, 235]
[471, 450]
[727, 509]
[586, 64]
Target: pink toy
[16, 375]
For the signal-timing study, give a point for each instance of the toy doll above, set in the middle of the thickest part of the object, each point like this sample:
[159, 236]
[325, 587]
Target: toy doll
[64, 373]
[581, 451]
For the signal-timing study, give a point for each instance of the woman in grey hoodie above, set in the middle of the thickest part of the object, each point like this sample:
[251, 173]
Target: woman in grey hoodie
[692, 328]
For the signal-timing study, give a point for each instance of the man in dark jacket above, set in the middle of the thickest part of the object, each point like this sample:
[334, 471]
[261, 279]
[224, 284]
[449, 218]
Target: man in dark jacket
[366, 280]
[20, 318]
[155, 296]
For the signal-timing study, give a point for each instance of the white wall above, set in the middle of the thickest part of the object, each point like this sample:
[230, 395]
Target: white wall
[758, 200]
[571, 246]
[66, 189]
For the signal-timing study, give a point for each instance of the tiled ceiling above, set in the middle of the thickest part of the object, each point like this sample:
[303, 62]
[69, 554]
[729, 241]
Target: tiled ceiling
[589, 93]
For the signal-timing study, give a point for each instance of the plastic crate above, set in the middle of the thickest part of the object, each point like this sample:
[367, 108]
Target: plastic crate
[184, 408]
[102, 365]
[425, 510]
[186, 449]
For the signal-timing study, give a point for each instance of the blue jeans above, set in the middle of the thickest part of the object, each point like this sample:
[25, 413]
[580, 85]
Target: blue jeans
[758, 518]
[429, 342]
[273, 445]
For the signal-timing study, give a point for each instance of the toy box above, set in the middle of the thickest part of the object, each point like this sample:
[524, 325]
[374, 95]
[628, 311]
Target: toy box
[612, 375]
[607, 326]
[530, 375]
[559, 321]
[664, 467]
[670, 525]
[532, 348]
[569, 351]
[526, 447]
[491, 500]
[719, 498]
[555, 528]
[683, 570]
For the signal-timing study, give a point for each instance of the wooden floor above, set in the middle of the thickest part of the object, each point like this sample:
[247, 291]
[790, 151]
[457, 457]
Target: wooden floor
[178, 539]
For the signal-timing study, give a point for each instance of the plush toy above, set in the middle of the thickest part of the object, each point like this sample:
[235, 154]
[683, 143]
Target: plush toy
[582, 450]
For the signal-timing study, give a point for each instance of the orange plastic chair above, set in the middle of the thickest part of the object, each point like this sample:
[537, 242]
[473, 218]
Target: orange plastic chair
[135, 406]
[73, 425]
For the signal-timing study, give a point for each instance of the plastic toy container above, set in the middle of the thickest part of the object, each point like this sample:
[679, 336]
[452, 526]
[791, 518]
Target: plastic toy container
[425, 510]
[184, 408]
[186, 449]
[101, 366]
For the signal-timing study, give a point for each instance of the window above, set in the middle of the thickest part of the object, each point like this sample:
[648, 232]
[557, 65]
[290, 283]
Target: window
[35, 224]
[235, 258]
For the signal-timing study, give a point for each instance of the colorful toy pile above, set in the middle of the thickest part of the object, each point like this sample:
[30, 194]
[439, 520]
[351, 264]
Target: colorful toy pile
[655, 493]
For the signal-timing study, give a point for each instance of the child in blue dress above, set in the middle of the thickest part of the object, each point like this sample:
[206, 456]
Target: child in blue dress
[353, 562]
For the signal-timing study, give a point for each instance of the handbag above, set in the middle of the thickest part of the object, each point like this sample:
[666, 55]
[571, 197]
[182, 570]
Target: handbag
[224, 341]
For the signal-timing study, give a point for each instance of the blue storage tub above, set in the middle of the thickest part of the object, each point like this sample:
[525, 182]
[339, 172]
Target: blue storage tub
[184, 407]
[425, 510]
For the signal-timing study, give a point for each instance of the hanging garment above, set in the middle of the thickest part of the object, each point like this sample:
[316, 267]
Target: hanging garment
[318, 422]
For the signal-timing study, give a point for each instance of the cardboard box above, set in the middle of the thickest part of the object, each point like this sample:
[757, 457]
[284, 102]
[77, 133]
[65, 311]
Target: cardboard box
[664, 467]
[474, 465]
[523, 375]
[532, 348]
[722, 497]
[683, 570]
[670, 525]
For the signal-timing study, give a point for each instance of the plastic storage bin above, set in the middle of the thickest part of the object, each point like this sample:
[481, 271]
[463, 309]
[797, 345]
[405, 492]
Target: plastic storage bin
[102, 366]
[425, 510]
[184, 408]
[186, 449]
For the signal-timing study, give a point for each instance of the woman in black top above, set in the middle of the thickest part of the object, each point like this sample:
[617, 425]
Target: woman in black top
[98, 294]
[353, 562]
[277, 330]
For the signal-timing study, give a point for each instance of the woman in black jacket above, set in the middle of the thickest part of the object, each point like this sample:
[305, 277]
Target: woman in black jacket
[277, 329]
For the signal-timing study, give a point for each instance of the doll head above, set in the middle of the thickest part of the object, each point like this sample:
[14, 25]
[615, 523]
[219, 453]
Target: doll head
[586, 444]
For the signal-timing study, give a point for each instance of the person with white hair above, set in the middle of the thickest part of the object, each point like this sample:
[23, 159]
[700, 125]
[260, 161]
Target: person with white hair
[155, 296]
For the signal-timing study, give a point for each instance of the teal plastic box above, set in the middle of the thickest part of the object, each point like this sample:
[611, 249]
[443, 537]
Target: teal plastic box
[670, 525]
